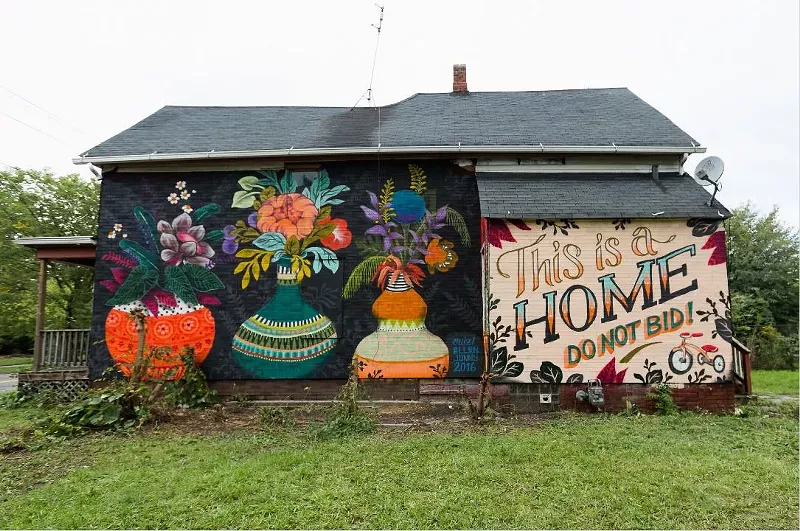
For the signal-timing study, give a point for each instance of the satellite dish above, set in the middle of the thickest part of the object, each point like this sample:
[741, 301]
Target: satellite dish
[709, 171]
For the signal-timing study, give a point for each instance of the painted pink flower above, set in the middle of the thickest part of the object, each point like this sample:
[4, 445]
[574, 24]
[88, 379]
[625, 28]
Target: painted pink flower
[609, 374]
[183, 242]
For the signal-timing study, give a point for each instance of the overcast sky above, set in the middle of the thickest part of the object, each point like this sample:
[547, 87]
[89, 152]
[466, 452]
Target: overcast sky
[726, 72]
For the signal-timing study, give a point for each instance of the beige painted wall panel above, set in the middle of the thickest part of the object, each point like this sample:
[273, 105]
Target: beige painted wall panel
[622, 300]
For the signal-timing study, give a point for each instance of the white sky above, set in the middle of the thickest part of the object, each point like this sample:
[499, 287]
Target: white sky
[726, 72]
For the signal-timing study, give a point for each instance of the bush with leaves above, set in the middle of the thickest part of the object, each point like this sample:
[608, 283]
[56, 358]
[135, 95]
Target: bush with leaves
[663, 402]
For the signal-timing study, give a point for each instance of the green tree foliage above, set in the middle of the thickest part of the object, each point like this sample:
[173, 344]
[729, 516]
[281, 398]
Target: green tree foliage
[38, 203]
[763, 273]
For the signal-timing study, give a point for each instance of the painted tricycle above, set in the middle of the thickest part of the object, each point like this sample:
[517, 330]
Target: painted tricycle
[682, 356]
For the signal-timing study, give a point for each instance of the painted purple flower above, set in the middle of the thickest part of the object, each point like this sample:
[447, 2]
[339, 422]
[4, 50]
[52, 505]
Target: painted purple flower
[229, 245]
[183, 242]
[252, 220]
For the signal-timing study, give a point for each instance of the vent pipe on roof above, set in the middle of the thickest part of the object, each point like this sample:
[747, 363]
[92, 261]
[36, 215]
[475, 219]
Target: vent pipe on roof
[460, 78]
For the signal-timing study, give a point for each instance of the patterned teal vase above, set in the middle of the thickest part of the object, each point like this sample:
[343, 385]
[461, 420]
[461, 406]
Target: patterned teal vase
[287, 337]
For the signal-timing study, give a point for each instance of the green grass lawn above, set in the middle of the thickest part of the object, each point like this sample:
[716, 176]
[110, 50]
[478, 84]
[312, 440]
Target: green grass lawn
[687, 471]
[15, 364]
[775, 382]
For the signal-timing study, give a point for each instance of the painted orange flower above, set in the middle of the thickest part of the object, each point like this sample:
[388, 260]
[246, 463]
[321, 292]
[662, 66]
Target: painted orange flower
[339, 238]
[441, 257]
[289, 214]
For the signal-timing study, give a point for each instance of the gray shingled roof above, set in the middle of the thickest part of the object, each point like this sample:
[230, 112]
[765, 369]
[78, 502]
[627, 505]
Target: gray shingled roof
[586, 117]
[593, 195]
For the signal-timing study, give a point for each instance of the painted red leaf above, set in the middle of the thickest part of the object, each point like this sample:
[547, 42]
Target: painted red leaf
[207, 300]
[609, 374]
[120, 274]
[110, 285]
[716, 242]
[150, 303]
[498, 232]
[165, 297]
[518, 223]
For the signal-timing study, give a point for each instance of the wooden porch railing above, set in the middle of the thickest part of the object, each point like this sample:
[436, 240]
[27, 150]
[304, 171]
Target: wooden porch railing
[741, 366]
[63, 349]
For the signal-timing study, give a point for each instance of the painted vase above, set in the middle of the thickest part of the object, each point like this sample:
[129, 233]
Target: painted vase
[401, 347]
[287, 337]
[185, 325]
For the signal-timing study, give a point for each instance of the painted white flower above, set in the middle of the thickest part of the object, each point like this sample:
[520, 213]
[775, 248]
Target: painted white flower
[125, 235]
[117, 227]
[173, 198]
[185, 195]
[187, 208]
[180, 185]
[194, 191]
[112, 234]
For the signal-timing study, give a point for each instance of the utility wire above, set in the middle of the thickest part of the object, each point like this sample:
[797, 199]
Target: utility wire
[368, 92]
[35, 129]
[48, 113]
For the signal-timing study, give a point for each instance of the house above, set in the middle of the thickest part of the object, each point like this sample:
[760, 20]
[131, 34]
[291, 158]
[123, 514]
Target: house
[550, 238]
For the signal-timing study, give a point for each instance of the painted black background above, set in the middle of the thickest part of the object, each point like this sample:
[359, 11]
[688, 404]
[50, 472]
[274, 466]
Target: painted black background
[453, 298]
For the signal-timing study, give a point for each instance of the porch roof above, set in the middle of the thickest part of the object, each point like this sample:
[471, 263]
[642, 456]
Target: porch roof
[78, 250]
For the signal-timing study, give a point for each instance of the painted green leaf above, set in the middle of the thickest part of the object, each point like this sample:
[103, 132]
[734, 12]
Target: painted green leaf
[629, 356]
[148, 222]
[202, 279]
[214, 236]
[362, 275]
[178, 283]
[243, 199]
[270, 241]
[205, 211]
[249, 182]
[551, 372]
[140, 280]
[142, 255]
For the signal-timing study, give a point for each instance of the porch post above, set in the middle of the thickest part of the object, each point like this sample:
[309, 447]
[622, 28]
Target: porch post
[42, 292]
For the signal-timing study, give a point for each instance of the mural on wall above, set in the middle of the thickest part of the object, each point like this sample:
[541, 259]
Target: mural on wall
[290, 274]
[287, 337]
[620, 300]
[408, 247]
[167, 276]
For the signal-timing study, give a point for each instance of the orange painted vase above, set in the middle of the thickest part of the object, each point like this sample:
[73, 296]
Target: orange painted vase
[174, 328]
[401, 347]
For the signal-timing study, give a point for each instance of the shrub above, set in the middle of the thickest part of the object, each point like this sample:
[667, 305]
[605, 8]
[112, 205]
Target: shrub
[663, 403]
[341, 423]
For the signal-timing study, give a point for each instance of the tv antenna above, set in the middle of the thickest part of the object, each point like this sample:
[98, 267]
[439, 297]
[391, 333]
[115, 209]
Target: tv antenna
[368, 93]
[708, 173]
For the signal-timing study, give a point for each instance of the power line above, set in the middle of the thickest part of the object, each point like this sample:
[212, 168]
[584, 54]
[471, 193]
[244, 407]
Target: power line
[35, 128]
[48, 113]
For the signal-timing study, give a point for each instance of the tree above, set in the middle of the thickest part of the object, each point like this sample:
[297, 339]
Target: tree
[37, 203]
[763, 280]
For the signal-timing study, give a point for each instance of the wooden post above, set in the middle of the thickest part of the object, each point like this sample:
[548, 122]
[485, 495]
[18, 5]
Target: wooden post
[42, 294]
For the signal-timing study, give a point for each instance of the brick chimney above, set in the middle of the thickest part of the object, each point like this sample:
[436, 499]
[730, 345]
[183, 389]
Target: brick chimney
[460, 78]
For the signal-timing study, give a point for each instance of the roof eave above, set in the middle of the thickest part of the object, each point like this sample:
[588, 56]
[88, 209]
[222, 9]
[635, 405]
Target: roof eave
[265, 153]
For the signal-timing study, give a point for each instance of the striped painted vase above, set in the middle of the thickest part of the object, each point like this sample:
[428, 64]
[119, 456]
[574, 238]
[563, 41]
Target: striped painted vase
[401, 347]
[287, 337]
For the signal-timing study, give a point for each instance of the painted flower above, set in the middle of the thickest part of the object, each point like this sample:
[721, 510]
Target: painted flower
[187, 208]
[112, 234]
[289, 214]
[408, 206]
[173, 198]
[183, 242]
[117, 227]
[180, 185]
[339, 238]
[229, 244]
[185, 194]
[440, 257]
